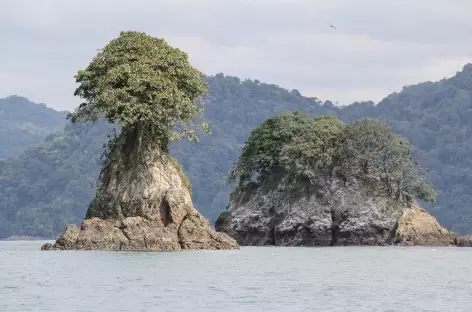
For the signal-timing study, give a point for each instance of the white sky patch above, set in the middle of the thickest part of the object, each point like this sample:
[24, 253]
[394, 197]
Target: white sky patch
[377, 48]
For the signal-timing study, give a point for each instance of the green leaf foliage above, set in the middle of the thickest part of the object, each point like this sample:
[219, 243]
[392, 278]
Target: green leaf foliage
[310, 149]
[145, 85]
[313, 151]
[369, 148]
[262, 151]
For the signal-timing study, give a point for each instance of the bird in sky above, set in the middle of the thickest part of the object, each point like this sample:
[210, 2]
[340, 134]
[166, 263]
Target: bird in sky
[332, 26]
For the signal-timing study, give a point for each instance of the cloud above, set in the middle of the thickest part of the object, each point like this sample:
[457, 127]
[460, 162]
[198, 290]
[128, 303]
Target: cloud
[377, 48]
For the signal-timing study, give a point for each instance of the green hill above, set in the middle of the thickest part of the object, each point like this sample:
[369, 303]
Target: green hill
[24, 124]
[47, 186]
[50, 185]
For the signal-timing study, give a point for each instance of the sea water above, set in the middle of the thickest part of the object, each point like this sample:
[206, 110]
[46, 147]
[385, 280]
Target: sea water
[403, 279]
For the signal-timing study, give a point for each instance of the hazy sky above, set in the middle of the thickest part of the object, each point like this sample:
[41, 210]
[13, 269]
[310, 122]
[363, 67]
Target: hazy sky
[378, 47]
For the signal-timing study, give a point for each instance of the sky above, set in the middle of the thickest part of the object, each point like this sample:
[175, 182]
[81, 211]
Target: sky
[378, 46]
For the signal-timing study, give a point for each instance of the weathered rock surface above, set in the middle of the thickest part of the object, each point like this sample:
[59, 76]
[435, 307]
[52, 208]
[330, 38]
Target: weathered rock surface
[260, 215]
[146, 209]
[464, 241]
[417, 227]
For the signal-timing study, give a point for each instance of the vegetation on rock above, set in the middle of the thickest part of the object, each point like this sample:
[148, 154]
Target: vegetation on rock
[150, 90]
[369, 148]
[323, 148]
[142, 202]
[263, 151]
[183, 177]
[147, 87]
[315, 151]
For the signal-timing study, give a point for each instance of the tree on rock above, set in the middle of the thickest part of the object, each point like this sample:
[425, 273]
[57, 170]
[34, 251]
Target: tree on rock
[369, 150]
[145, 85]
[150, 91]
[261, 154]
[330, 155]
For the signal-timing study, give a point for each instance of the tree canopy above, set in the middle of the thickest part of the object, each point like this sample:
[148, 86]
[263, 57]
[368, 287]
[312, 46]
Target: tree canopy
[262, 151]
[145, 85]
[368, 148]
[324, 148]
[314, 150]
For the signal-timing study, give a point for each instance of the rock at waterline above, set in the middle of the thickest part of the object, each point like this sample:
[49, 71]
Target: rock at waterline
[416, 226]
[465, 241]
[258, 215]
[146, 209]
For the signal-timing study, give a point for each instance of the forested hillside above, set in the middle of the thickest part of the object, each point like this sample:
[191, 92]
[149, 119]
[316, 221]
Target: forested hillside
[53, 184]
[24, 124]
[49, 186]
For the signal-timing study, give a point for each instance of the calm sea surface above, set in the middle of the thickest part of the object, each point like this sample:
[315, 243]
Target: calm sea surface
[252, 279]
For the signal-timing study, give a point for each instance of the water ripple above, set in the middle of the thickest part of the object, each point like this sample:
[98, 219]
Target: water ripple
[253, 279]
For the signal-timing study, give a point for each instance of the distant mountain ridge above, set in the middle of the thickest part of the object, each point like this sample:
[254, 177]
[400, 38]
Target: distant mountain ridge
[24, 124]
[52, 184]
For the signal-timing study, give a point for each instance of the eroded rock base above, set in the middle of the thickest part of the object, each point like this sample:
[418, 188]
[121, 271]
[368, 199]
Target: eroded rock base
[464, 241]
[417, 227]
[139, 234]
[142, 208]
[282, 219]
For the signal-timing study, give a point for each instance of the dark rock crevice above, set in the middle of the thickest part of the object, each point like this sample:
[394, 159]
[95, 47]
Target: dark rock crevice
[271, 233]
[335, 225]
[123, 230]
[165, 213]
[179, 238]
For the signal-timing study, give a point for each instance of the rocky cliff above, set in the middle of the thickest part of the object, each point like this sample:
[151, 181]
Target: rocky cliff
[145, 209]
[271, 214]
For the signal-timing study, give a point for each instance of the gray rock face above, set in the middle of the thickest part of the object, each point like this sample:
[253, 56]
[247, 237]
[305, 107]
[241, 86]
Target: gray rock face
[271, 215]
[144, 209]
[464, 241]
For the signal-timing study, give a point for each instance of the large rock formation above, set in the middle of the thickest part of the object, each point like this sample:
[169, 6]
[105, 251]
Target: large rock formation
[145, 209]
[272, 214]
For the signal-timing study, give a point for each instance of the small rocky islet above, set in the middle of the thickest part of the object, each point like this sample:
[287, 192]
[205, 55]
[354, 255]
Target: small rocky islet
[143, 198]
[323, 183]
[145, 210]
[259, 217]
